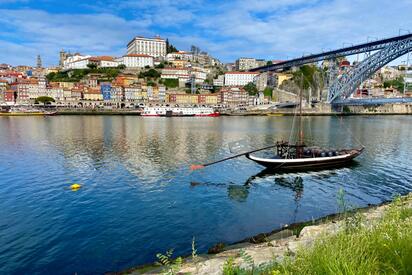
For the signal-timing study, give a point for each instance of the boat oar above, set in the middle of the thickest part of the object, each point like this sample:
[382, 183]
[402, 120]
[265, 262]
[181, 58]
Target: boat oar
[201, 166]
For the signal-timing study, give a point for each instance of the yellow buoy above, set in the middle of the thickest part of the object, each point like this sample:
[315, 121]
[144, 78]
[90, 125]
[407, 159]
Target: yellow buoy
[75, 186]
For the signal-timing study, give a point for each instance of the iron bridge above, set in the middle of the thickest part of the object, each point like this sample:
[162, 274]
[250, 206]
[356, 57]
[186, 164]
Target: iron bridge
[385, 51]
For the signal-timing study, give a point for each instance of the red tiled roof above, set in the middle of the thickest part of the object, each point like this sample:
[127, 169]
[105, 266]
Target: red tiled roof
[101, 58]
[242, 73]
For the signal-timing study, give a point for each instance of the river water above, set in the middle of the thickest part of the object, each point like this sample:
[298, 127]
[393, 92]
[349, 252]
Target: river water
[139, 197]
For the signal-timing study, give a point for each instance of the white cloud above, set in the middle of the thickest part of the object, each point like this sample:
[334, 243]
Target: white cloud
[87, 33]
[274, 29]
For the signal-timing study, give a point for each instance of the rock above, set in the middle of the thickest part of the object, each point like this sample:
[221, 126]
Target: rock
[217, 248]
[261, 238]
[280, 235]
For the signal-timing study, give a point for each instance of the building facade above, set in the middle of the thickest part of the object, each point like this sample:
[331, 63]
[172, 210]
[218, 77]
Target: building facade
[239, 78]
[136, 60]
[155, 47]
[234, 96]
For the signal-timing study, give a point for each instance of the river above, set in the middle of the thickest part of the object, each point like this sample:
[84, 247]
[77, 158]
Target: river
[138, 197]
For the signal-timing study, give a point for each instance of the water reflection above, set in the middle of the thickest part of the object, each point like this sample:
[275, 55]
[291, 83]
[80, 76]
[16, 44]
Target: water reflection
[145, 200]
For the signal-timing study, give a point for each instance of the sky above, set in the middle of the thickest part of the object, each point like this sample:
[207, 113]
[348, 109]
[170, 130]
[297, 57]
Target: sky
[268, 29]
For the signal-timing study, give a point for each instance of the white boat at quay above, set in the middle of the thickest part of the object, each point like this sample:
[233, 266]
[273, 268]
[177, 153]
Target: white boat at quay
[179, 111]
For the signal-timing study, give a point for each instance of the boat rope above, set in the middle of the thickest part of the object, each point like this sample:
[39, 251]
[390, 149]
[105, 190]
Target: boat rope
[349, 131]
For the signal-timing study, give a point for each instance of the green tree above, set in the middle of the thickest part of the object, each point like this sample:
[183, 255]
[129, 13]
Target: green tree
[160, 66]
[397, 83]
[44, 99]
[171, 83]
[251, 88]
[169, 47]
[121, 67]
[269, 63]
[91, 66]
[268, 91]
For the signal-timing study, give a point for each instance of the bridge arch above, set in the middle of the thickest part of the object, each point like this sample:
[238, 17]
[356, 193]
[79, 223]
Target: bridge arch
[347, 84]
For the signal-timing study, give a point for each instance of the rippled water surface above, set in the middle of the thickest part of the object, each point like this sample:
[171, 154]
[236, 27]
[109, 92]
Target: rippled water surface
[138, 197]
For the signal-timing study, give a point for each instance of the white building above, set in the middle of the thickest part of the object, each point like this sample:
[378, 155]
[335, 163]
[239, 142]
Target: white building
[219, 81]
[136, 60]
[180, 55]
[76, 61]
[239, 78]
[103, 61]
[155, 47]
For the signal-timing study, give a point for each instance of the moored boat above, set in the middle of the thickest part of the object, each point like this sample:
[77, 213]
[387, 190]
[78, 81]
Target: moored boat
[164, 111]
[24, 111]
[305, 158]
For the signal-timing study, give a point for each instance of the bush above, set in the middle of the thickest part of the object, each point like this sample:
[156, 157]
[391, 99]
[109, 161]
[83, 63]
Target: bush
[171, 83]
[382, 247]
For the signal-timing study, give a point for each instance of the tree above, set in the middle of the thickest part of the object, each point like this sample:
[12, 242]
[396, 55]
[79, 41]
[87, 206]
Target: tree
[269, 63]
[251, 88]
[171, 83]
[121, 67]
[397, 83]
[268, 91]
[169, 47]
[91, 66]
[44, 99]
[160, 66]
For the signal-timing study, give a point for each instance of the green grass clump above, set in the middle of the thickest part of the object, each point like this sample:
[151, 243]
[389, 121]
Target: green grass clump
[380, 247]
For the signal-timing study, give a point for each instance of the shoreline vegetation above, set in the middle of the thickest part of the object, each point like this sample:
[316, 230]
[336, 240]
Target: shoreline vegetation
[372, 240]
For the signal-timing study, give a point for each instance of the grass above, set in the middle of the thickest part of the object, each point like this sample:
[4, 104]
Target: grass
[380, 247]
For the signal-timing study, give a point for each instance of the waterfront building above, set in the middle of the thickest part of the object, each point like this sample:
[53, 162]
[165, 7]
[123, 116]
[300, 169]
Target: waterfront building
[134, 60]
[183, 99]
[233, 96]
[10, 96]
[93, 94]
[117, 93]
[56, 92]
[155, 47]
[27, 89]
[208, 99]
[77, 93]
[67, 94]
[133, 93]
[239, 78]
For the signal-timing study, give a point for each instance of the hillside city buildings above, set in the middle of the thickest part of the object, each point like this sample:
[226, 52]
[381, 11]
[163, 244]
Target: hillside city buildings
[148, 74]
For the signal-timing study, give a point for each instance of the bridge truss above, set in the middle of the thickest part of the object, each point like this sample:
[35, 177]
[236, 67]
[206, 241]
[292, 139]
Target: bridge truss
[347, 84]
[385, 50]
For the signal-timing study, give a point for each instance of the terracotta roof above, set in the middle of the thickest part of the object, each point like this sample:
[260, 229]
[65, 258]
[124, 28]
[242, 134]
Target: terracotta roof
[138, 55]
[170, 68]
[101, 58]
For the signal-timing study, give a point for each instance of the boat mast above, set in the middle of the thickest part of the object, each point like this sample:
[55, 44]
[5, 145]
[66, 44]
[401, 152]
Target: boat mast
[300, 139]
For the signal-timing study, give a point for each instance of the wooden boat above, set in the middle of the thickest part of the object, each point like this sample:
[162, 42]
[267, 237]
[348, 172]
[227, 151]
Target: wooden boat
[297, 157]
[305, 158]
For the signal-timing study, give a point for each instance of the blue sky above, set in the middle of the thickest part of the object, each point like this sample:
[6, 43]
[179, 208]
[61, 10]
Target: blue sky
[271, 29]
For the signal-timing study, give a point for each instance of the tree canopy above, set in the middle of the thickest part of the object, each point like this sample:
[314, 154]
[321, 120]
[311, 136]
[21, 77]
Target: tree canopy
[251, 88]
[397, 83]
[169, 47]
[44, 99]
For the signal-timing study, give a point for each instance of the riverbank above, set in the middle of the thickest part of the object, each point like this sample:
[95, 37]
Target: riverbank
[306, 246]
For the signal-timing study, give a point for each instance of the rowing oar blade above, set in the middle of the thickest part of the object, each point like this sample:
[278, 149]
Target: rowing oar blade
[196, 167]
